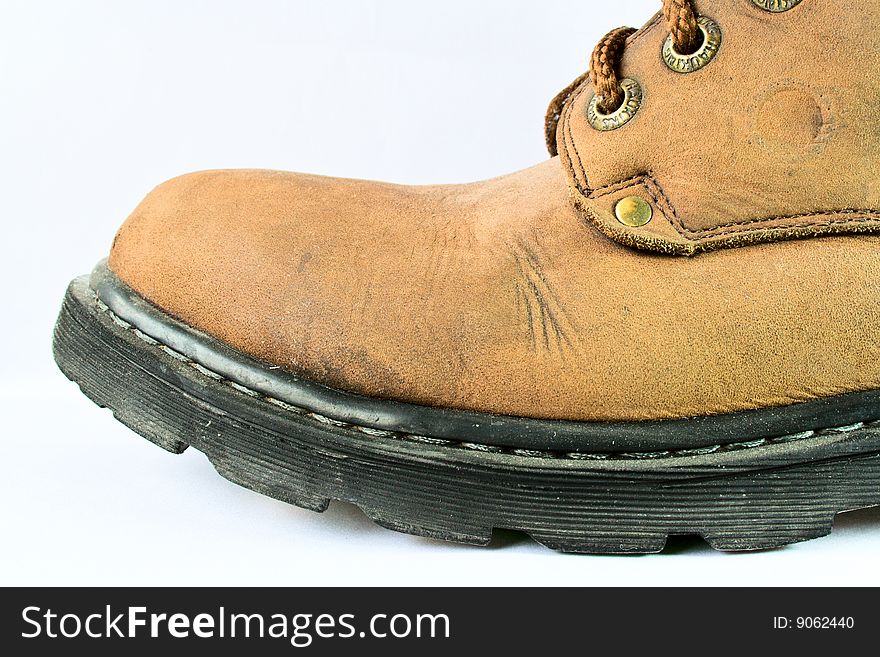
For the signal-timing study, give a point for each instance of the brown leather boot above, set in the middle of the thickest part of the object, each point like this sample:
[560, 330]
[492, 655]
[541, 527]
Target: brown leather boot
[672, 327]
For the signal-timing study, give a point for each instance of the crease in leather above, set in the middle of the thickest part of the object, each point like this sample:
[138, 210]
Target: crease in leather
[415, 294]
[501, 297]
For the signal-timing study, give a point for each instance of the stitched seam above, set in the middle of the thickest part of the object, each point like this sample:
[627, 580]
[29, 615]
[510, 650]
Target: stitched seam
[580, 165]
[570, 138]
[616, 187]
[657, 193]
[528, 453]
[653, 189]
[572, 147]
[705, 234]
[863, 216]
[741, 226]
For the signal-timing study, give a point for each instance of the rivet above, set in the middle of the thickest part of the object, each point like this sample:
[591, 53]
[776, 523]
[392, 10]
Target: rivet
[633, 211]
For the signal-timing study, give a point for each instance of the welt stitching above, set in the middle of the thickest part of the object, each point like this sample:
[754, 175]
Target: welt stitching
[526, 453]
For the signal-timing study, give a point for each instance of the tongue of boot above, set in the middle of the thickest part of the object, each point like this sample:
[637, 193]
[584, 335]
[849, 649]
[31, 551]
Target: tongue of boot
[760, 134]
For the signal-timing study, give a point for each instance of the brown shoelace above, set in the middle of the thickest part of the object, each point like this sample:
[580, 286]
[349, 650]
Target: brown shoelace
[681, 20]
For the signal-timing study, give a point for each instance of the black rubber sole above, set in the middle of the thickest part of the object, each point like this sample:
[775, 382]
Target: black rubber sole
[738, 496]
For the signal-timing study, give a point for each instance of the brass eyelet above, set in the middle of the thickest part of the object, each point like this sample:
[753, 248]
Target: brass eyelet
[704, 54]
[632, 101]
[777, 6]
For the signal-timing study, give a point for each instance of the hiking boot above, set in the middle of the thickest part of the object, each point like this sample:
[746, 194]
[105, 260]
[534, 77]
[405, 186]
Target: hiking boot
[671, 326]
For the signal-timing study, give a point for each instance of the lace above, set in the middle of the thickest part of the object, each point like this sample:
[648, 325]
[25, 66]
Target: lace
[681, 19]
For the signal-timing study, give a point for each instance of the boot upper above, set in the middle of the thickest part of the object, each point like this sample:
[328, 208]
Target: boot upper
[525, 295]
[775, 138]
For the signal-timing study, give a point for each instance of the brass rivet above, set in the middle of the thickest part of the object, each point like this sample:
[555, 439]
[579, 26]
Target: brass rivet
[777, 6]
[633, 211]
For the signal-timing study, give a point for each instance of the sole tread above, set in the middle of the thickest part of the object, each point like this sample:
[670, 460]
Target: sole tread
[760, 496]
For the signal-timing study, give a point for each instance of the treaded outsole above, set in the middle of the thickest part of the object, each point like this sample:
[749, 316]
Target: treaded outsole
[751, 497]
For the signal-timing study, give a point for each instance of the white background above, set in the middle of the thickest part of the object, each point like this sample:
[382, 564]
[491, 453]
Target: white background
[100, 101]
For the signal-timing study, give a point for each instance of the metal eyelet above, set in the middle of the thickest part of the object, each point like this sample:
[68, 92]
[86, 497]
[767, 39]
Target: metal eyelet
[704, 54]
[777, 6]
[632, 101]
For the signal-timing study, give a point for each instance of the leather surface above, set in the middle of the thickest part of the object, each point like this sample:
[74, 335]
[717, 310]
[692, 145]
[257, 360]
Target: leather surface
[499, 297]
[776, 138]
[838, 412]
[508, 296]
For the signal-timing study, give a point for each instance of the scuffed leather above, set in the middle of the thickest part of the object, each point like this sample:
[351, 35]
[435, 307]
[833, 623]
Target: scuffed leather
[508, 296]
[499, 297]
